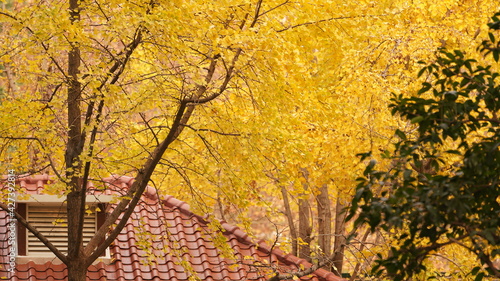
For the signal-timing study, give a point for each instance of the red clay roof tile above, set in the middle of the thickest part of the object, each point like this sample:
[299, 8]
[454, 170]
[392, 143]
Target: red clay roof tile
[176, 235]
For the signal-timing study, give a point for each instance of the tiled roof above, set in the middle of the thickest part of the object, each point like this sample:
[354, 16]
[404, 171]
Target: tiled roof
[187, 238]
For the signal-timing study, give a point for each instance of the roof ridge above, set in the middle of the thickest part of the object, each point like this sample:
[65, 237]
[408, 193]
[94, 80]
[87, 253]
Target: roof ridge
[183, 207]
[244, 238]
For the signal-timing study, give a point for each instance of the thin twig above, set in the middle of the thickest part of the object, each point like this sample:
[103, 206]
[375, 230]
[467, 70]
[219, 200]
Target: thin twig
[328, 20]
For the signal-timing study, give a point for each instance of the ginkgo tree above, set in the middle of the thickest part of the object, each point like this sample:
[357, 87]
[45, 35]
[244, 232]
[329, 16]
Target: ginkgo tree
[331, 83]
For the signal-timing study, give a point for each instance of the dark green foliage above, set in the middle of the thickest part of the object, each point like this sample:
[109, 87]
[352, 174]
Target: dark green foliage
[429, 201]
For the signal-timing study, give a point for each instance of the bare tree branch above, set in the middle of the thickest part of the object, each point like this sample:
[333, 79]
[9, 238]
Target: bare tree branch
[212, 131]
[146, 122]
[328, 20]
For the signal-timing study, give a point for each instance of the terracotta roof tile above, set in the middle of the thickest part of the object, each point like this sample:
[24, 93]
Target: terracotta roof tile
[171, 226]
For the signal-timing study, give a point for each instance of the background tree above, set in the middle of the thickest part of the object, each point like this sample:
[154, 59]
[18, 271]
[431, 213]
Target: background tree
[442, 188]
[330, 83]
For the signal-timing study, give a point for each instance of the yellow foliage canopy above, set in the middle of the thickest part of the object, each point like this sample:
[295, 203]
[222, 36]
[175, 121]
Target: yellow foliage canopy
[305, 84]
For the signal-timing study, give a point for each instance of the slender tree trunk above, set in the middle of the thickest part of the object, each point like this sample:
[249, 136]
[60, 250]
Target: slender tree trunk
[339, 244]
[10, 78]
[305, 228]
[291, 225]
[324, 220]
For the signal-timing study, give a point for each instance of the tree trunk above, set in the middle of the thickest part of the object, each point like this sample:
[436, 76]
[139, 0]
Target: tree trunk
[77, 272]
[76, 197]
[291, 225]
[339, 244]
[324, 220]
[305, 228]
[74, 147]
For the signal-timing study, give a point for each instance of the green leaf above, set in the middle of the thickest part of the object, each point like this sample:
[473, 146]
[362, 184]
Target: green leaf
[492, 37]
[475, 270]
[422, 71]
[417, 119]
[400, 134]
[453, 151]
[425, 87]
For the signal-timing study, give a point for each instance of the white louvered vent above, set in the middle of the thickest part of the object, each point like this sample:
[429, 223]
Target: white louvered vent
[51, 221]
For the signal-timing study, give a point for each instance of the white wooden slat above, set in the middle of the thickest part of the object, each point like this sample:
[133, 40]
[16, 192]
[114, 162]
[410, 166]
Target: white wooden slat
[51, 221]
